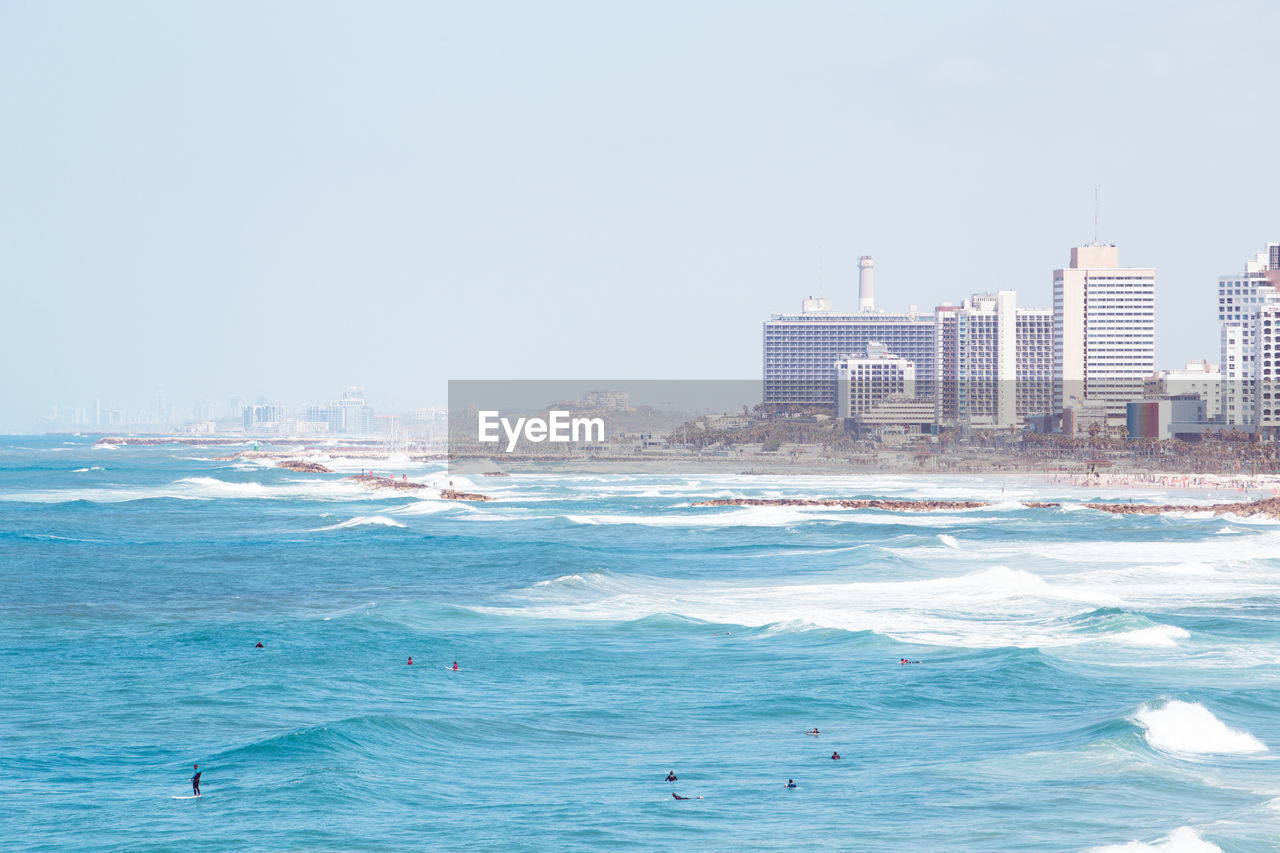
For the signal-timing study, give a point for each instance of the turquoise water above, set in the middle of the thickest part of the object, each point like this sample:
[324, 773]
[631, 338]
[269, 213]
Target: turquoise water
[1085, 680]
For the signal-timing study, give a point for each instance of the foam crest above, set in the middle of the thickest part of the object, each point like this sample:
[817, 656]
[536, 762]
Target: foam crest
[1155, 637]
[1184, 839]
[362, 521]
[990, 608]
[1192, 729]
[949, 541]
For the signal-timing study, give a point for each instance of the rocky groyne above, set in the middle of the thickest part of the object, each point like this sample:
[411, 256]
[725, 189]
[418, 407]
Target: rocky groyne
[451, 495]
[373, 481]
[303, 466]
[1267, 507]
[872, 503]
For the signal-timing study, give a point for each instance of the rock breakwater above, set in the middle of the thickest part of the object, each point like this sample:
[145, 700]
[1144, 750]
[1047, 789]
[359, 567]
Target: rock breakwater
[871, 503]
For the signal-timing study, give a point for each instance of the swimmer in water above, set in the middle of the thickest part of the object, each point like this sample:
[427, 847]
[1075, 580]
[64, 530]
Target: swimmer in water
[671, 777]
[259, 645]
[791, 783]
[410, 663]
[835, 756]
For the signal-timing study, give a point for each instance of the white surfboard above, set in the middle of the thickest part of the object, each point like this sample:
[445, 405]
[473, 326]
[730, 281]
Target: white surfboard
[187, 797]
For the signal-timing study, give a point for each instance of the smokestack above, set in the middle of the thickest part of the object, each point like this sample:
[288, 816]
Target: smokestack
[866, 284]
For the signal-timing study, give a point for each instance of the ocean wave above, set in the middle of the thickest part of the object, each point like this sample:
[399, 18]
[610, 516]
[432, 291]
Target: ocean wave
[993, 607]
[771, 516]
[1184, 839]
[1189, 728]
[1157, 636]
[361, 521]
[207, 488]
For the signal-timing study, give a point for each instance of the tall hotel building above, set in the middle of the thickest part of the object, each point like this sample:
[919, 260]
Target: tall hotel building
[1240, 298]
[1266, 385]
[1104, 331]
[801, 350]
[994, 361]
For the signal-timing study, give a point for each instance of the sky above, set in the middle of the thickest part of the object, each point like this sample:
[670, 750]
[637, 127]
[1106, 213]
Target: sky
[281, 199]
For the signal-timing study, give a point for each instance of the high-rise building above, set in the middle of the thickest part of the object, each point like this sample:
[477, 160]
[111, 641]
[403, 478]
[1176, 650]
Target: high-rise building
[1104, 324]
[1239, 299]
[262, 418]
[863, 382]
[1266, 384]
[801, 351]
[994, 361]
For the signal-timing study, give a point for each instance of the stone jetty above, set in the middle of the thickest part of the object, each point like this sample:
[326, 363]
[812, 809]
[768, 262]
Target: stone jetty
[373, 481]
[873, 503]
[451, 495]
[1267, 507]
[303, 466]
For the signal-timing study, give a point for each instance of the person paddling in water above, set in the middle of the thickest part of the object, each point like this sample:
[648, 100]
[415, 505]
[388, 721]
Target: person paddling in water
[671, 777]
[791, 783]
[195, 781]
[835, 756]
[678, 797]
[813, 732]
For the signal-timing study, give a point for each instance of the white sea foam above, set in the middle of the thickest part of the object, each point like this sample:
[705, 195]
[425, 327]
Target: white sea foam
[1155, 637]
[361, 521]
[992, 607]
[949, 541]
[1190, 728]
[206, 488]
[83, 470]
[1184, 839]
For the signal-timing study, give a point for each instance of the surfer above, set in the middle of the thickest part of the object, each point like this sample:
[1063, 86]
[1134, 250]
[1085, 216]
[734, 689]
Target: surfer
[814, 731]
[259, 645]
[195, 781]
[835, 756]
[678, 797]
[791, 783]
[671, 777]
[410, 663]
[455, 666]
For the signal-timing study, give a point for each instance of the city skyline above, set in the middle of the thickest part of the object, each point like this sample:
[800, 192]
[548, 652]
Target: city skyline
[531, 183]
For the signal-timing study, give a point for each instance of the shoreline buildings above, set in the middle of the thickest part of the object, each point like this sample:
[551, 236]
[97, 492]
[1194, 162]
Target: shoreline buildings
[1240, 299]
[1104, 333]
[983, 363]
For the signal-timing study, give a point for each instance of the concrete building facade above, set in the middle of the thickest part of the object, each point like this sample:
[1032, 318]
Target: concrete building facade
[1104, 331]
[1239, 299]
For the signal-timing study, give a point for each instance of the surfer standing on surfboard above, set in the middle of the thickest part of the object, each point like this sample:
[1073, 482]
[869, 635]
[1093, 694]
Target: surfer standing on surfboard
[195, 781]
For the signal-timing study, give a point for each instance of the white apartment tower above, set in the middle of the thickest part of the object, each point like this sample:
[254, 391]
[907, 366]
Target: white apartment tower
[863, 382]
[994, 361]
[1266, 385]
[1104, 331]
[1240, 297]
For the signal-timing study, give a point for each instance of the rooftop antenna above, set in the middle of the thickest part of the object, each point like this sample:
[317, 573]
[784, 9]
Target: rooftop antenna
[1095, 216]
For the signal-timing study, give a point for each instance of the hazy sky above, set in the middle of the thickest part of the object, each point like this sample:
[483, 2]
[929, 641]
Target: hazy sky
[280, 199]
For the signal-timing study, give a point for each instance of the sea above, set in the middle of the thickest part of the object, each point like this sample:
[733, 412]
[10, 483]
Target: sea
[1078, 681]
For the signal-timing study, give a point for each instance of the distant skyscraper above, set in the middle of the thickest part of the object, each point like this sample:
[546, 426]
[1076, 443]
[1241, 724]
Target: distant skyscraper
[801, 351]
[1104, 331]
[994, 361]
[1239, 299]
[1266, 385]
